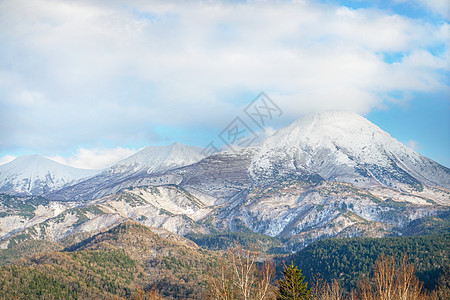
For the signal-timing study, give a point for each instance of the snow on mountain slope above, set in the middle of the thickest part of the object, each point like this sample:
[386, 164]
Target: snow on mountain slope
[328, 174]
[343, 146]
[156, 159]
[35, 175]
[334, 146]
[131, 171]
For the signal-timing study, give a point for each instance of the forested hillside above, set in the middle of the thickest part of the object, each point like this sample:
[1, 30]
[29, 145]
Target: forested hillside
[120, 262]
[348, 259]
[131, 258]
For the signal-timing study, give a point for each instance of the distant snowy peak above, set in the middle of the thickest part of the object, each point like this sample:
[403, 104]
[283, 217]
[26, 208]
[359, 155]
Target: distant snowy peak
[132, 171]
[328, 129]
[345, 146]
[155, 159]
[342, 136]
[35, 175]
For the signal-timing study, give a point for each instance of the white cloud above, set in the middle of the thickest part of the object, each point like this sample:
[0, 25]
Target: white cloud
[439, 7]
[6, 159]
[95, 159]
[413, 144]
[86, 71]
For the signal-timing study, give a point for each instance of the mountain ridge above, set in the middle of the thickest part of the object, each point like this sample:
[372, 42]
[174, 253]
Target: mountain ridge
[158, 158]
[337, 146]
[36, 174]
[149, 161]
[344, 146]
[328, 175]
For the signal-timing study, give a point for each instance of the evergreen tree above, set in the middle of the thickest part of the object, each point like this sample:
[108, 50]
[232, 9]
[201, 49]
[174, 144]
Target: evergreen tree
[292, 286]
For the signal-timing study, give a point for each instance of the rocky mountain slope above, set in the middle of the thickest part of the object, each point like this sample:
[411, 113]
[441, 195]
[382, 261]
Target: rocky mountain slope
[36, 175]
[331, 174]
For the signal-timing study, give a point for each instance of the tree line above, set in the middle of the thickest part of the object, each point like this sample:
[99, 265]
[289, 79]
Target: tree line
[241, 275]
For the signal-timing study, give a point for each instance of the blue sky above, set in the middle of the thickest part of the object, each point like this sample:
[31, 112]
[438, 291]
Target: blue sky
[90, 82]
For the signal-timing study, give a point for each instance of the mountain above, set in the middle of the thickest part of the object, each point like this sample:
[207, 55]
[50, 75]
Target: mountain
[328, 174]
[36, 175]
[343, 146]
[151, 160]
[330, 146]
[326, 147]
[157, 159]
[332, 174]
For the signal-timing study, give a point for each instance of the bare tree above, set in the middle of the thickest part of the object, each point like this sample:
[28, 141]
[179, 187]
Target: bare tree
[365, 289]
[391, 281]
[383, 277]
[244, 272]
[220, 281]
[407, 284]
[238, 277]
[442, 291]
[264, 287]
[141, 295]
[323, 290]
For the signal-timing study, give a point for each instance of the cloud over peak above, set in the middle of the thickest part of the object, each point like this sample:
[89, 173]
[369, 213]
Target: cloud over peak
[78, 72]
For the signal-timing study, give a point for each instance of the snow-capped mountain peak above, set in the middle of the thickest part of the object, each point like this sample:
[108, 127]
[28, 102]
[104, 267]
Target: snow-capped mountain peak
[158, 159]
[324, 129]
[347, 147]
[35, 174]
[132, 171]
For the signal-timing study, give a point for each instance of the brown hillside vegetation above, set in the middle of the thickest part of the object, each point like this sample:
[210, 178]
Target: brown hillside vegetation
[122, 262]
[132, 261]
[78, 275]
[27, 248]
[174, 265]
